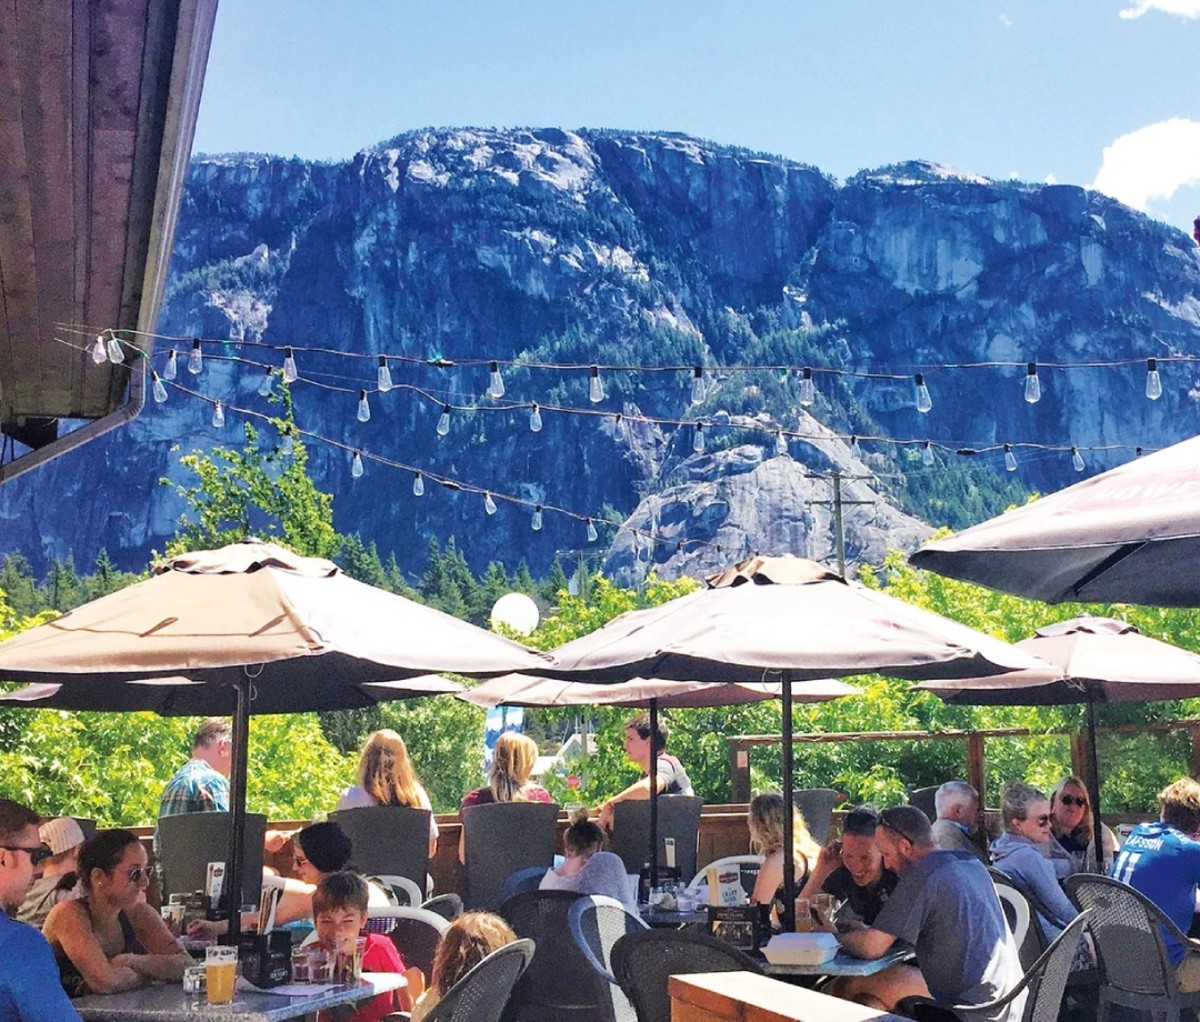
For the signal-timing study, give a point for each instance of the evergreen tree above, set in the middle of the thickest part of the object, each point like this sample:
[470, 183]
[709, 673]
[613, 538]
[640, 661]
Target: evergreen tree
[16, 582]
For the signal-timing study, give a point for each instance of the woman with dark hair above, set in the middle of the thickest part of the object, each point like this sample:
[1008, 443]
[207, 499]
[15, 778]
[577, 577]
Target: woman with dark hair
[109, 939]
[587, 868]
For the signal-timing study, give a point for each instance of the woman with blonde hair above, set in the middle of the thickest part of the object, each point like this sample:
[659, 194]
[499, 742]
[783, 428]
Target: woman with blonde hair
[765, 822]
[386, 778]
[1072, 824]
[463, 945]
[508, 780]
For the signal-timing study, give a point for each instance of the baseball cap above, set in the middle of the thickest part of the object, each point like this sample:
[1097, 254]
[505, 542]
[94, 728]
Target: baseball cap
[60, 835]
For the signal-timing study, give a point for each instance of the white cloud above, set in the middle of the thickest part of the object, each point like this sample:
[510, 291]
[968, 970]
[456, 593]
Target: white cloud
[1180, 8]
[1051, 179]
[1005, 20]
[1151, 163]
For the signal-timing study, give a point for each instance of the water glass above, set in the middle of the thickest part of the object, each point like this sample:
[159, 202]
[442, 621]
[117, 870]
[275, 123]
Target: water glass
[300, 971]
[194, 984]
[320, 964]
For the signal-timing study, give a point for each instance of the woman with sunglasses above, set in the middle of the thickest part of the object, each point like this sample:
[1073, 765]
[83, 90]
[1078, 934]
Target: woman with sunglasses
[1071, 821]
[1023, 852]
[110, 939]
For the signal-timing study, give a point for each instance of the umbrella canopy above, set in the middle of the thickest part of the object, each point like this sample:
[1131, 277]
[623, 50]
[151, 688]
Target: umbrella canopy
[521, 690]
[1130, 535]
[1100, 660]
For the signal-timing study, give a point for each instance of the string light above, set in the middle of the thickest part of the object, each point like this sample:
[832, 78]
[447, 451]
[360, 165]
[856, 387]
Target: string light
[160, 391]
[807, 391]
[364, 407]
[698, 439]
[592, 534]
[535, 523]
[264, 385]
[418, 488]
[116, 354]
[489, 505]
[595, 387]
[356, 465]
[218, 416]
[927, 454]
[619, 427]
[290, 373]
[1153, 380]
[195, 361]
[1010, 459]
[698, 388]
[781, 444]
[443, 423]
[171, 369]
[1077, 459]
[99, 350]
[855, 449]
[535, 418]
[383, 376]
[1033, 386]
[924, 400]
[287, 442]
[495, 382]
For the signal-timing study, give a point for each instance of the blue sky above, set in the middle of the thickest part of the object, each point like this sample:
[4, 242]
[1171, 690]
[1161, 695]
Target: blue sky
[1103, 92]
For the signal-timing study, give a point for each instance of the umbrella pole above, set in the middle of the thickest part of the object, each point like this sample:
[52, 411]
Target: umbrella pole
[1093, 780]
[652, 776]
[237, 804]
[789, 856]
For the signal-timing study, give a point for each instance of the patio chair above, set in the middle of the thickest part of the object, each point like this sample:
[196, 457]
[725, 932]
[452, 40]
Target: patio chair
[560, 984]
[501, 838]
[400, 889]
[449, 906]
[748, 865]
[1018, 913]
[189, 842]
[1128, 929]
[678, 819]
[597, 923]
[816, 806]
[527, 879]
[414, 931]
[925, 800]
[1046, 982]
[644, 961]
[480, 996]
[388, 840]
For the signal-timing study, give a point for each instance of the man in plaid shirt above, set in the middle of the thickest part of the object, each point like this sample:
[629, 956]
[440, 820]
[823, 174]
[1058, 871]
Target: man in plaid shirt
[201, 785]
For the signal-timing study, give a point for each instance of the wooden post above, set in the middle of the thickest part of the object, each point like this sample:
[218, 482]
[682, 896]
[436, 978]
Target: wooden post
[1195, 729]
[1079, 755]
[976, 769]
[739, 771]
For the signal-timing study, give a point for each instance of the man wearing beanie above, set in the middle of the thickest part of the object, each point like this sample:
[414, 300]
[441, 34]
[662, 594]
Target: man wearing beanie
[58, 881]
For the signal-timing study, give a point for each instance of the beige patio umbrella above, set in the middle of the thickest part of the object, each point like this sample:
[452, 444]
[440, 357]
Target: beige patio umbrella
[1129, 535]
[250, 628]
[1100, 661]
[786, 620]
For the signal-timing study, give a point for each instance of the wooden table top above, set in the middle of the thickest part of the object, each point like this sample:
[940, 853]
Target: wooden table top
[748, 997]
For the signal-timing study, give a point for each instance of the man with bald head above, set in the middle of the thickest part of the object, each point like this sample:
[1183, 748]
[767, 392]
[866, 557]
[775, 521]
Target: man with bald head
[946, 907]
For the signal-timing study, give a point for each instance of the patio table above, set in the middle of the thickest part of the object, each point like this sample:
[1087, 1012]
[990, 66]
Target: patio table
[842, 964]
[665, 919]
[746, 997]
[166, 1002]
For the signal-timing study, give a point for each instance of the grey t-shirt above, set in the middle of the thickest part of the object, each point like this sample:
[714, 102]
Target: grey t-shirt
[946, 906]
[675, 779]
[950, 837]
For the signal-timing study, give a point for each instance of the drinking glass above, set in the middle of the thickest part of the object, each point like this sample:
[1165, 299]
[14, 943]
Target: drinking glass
[300, 973]
[194, 984]
[320, 964]
[220, 966]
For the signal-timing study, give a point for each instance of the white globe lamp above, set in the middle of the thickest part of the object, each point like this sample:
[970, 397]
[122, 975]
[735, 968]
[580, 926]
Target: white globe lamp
[517, 611]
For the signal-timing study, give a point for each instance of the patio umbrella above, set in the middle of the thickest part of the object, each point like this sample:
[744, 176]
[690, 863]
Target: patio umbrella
[1101, 661]
[250, 628]
[520, 690]
[783, 619]
[1130, 535]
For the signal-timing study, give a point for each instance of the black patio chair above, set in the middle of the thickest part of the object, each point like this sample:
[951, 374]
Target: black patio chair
[527, 879]
[448, 906]
[816, 805]
[480, 996]
[189, 842]
[414, 931]
[500, 838]
[678, 821]
[1128, 931]
[388, 840]
[644, 962]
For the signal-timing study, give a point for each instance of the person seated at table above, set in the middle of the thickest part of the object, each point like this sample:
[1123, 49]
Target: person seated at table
[587, 868]
[945, 906]
[1162, 861]
[852, 870]
[508, 780]
[386, 777]
[466, 942]
[1023, 852]
[1073, 826]
[669, 776]
[765, 822]
[110, 939]
[60, 878]
[957, 805]
[339, 907]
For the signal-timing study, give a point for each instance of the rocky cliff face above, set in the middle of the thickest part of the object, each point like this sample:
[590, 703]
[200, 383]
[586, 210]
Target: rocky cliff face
[580, 247]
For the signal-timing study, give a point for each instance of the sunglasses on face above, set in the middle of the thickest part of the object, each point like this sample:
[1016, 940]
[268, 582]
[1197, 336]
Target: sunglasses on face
[36, 855]
[299, 860]
[1041, 821]
[1074, 800]
[138, 874]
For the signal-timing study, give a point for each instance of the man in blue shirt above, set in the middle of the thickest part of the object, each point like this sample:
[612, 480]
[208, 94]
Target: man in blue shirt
[1162, 861]
[30, 990]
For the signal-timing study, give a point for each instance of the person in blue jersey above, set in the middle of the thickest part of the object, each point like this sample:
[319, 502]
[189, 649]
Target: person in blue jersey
[1162, 861]
[29, 987]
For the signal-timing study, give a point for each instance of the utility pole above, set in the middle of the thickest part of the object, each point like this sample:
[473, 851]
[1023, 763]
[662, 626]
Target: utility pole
[836, 504]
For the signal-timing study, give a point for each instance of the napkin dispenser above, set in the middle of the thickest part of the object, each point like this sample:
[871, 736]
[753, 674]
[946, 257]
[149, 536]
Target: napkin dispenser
[266, 958]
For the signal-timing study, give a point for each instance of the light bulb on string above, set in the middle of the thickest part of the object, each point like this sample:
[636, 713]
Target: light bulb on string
[364, 407]
[927, 454]
[855, 449]
[218, 416]
[595, 387]
[807, 390]
[418, 485]
[535, 523]
[489, 505]
[116, 354]
[619, 427]
[264, 385]
[535, 418]
[287, 442]
[699, 390]
[1033, 386]
[159, 389]
[1076, 459]
[698, 439]
[924, 400]
[290, 373]
[495, 382]
[443, 423]
[356, 465]
[781, 444]
[1137, 452]
[195, 362]
[592, 534]
[1153, 380]
[383, 377]
[1010, 459]
[171, 369]
[99, 350]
